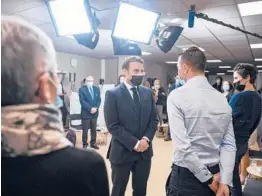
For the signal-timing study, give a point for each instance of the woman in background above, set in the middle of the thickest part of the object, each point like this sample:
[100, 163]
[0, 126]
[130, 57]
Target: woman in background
[160, 98]
[246, 113]
[228, 90]
[218, 84]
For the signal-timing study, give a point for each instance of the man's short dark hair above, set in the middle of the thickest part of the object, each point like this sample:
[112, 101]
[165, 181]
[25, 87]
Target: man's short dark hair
[195, 57]
[131, 59]
[245, 69]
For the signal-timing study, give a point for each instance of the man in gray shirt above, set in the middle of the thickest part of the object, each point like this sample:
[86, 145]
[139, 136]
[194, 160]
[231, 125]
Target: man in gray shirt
[202, 133]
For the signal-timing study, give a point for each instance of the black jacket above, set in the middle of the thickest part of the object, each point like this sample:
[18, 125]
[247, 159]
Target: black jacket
[125, 125]
[67, 172]
[161, 97]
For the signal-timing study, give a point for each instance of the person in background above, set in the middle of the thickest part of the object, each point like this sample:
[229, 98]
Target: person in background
[90, 100]
[121, 79]
[228, 90]
[218, 84]
[179, 82]
[171, 87]
[201, 128]
[146, 84]
[83, 82]
[36, 158]
[160, 97]
[130, 117]
[246, 111]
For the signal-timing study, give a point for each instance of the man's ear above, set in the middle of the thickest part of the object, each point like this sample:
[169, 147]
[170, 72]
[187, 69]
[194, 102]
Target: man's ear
[44, 88]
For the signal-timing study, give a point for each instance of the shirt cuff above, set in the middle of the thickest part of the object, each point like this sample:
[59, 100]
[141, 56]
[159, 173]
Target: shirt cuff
[226, 180]
[146, 138]
[204, 175]
[137, 144]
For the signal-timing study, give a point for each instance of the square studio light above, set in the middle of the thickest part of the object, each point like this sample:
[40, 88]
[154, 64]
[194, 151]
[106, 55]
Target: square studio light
[250, 8]
[135, 24]
[70, 17]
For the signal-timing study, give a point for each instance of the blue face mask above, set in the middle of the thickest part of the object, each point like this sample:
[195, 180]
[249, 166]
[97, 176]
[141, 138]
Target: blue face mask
[180, 82]
[58, 102]
[225, 87]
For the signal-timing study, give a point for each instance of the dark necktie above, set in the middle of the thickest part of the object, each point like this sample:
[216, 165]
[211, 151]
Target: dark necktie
[136, 99]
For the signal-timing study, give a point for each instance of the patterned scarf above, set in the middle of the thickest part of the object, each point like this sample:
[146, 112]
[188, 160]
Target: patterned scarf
[29, 130]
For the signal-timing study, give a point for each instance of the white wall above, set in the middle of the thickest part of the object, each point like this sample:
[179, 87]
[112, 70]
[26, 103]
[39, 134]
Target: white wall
[86, 66]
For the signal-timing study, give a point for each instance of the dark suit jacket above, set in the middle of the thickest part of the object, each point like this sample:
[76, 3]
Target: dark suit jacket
[123, 122]
[87, 103]
[65, 172]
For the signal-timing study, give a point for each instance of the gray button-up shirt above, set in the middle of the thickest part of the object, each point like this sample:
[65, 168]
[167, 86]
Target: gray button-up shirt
[201, 129]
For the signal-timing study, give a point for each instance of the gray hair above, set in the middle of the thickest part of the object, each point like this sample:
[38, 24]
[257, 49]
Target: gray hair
[131, 59]
[23, 45]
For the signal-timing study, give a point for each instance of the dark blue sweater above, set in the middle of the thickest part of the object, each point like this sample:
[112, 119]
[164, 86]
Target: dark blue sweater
[246, 111]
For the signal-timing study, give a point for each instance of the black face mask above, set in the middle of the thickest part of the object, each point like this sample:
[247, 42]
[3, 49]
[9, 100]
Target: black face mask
[136, 80]
[238, 86]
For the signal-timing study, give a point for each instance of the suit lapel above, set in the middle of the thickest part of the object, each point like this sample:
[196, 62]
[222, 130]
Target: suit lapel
[130, 100]
[142, 95]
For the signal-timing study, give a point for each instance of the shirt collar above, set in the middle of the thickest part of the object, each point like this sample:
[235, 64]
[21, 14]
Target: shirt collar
[196, 80]
[128, 86]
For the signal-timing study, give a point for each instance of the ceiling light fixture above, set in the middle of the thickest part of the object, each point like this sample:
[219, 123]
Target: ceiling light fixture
[146, 53]
[260, 70]
[224, 67]
[214, 61]
[256, 45]
[251, 8]
[206, 71]
[220, 74]
[258, 59]
[171, 62]
[230, 71]
[259, 66]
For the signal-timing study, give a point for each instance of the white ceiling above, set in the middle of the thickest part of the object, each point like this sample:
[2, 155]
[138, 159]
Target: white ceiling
[220, 42]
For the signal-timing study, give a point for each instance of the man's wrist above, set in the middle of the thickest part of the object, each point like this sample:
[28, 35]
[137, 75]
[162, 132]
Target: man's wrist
[209, 181]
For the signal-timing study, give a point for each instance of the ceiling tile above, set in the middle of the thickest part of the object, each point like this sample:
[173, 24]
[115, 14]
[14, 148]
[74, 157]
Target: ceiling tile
[39, 13]
[252, 20]
[257, 52]
[163, 6]
[203, 4]
[14, 6]
[221, 12]
[204, 40]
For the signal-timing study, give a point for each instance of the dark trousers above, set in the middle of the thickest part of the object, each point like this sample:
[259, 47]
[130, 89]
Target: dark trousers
[89, 124]
[120, 175]
[182, 182]
[236, 190]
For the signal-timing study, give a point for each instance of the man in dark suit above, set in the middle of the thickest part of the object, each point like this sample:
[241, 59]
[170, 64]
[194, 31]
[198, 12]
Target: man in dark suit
[90, 100]
[130, 116]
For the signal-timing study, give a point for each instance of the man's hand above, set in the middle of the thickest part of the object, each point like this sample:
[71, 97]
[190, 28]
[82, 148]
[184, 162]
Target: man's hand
[223, 190]
[143, 145]
[93, 110]
[214, 185]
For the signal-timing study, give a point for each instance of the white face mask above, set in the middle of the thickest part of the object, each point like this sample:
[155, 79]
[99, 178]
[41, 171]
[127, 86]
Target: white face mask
[157, 86]
[90, 84]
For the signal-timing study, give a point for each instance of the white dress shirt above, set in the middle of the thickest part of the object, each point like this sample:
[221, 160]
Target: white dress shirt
[201, 129]
[129, 87]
